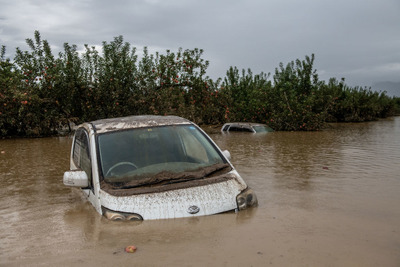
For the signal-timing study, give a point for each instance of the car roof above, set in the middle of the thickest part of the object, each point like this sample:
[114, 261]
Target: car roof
[245, 124]
[131, 122]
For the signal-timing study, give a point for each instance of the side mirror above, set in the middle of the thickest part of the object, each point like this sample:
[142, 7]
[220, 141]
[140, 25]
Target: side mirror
[76, 178]
[227, 154]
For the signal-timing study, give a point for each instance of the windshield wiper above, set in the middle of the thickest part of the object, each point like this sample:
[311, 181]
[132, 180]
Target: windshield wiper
[218, 167]
[206, 172]
[164, 177]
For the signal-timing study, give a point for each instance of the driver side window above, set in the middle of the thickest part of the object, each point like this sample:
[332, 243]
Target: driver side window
[81, 154]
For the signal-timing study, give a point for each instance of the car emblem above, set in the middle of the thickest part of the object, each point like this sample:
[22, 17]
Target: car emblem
[193, 209]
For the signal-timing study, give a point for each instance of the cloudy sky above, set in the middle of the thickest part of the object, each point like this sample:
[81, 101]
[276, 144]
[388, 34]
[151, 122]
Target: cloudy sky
[355, 39]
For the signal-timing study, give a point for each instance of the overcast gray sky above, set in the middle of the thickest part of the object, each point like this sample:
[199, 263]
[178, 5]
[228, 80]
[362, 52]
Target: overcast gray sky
[355, 39]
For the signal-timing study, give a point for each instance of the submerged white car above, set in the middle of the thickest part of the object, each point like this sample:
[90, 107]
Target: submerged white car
[154, 167]
[245, 127]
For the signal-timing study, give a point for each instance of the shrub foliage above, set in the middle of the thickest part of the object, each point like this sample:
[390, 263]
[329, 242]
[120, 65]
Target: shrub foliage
[41, 93]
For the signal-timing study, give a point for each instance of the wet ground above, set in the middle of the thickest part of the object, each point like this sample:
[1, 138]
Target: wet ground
[329, 198]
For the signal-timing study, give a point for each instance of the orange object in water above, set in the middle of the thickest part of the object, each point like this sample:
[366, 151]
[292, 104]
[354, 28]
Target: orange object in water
[130, 249]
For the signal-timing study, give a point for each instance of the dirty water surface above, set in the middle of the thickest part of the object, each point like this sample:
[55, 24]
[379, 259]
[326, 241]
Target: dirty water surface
[329, 198]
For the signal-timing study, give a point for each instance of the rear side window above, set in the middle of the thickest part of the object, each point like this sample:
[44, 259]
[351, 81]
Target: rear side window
[225, 128]
[81, 154]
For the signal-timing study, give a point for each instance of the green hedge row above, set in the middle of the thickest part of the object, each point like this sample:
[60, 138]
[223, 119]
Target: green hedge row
[41, 93]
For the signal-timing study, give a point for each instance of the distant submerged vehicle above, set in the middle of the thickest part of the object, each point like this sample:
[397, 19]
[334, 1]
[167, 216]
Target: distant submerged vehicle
[246, 127]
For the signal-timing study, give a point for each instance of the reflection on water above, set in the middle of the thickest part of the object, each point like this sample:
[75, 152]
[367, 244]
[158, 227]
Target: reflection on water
[325, 198]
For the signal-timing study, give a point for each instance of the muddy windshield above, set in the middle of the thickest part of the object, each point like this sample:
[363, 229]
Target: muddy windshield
[166, 154]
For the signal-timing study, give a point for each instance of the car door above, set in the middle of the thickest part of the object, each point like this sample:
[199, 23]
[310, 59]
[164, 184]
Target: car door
[82, 158]
[81, 154]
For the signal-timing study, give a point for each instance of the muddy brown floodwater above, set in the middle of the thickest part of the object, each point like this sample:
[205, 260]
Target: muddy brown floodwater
[329, 198]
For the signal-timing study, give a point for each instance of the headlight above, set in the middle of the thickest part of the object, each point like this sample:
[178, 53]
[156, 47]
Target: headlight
[246, 199]
[121, 216]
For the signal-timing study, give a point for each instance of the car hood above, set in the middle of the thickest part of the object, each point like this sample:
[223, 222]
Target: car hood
[185, 202]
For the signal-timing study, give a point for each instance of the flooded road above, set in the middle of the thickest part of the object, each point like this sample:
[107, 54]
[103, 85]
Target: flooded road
[329, 198]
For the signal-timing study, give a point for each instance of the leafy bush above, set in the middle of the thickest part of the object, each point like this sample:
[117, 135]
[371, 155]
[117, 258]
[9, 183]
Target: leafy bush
[41, 93]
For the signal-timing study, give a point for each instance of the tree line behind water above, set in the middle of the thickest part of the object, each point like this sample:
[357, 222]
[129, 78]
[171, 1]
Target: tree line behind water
[41, 93]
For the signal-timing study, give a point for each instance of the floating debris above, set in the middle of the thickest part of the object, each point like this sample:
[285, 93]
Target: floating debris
[130, 249]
